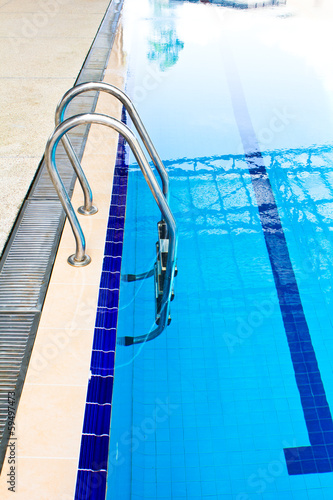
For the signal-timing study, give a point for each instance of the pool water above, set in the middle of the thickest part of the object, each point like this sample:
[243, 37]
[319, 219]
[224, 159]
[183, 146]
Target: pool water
[234, 399]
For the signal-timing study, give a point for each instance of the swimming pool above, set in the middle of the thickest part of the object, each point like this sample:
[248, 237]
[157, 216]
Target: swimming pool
[233, 400]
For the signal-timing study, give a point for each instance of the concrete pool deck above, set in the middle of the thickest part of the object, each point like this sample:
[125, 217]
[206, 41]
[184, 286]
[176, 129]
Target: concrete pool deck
[49, 420]
[43, 47]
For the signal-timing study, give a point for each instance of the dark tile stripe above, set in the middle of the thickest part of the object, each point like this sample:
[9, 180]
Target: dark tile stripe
[319, 456]
[92, 473]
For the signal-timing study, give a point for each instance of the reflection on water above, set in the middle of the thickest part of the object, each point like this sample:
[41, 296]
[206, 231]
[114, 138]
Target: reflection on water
[165, 50]
[164, 46]
[239, 4]
[214, 196]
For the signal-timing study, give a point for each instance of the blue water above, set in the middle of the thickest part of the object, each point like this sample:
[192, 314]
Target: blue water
[234, 399]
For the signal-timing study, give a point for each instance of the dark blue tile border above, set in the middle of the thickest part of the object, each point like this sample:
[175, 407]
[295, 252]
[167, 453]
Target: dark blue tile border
[318, 457]
[93, 461]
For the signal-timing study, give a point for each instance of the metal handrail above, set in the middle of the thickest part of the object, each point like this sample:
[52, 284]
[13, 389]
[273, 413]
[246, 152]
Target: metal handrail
[137, 122]
[88, 208]
[80, 258]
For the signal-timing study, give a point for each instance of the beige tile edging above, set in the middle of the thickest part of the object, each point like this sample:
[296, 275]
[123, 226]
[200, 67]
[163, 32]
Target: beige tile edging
[50, 414]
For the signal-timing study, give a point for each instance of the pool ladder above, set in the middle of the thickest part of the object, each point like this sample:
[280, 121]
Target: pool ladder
[165, 266]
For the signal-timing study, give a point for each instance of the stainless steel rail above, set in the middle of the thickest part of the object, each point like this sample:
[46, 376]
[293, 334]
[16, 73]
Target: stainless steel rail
[88, 208]
[80, 258]
[137, 122]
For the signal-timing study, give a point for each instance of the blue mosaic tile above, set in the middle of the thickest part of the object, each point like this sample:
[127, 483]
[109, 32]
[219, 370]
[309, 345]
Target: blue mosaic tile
[118, 200]
[112, 264]
[97, 419]
[100, 389]
[116, 236]
[108, 298]
[90, 485]
[118, 189]
[109, 280]
[116, 222]
[118, 210]
[104, 339]
[120, 180]
[94, 452]
[96, 428]
[106, 318]
[102, 363]
[112, 249]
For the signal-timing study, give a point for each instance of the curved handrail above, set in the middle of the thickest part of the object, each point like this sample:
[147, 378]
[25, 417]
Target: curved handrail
[80, 257]
[88, 208]
[137, 122]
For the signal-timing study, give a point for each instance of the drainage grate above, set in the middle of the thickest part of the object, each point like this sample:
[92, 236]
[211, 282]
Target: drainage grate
[27, 261]
[43, 188]
[25, 270]
[17, 334]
